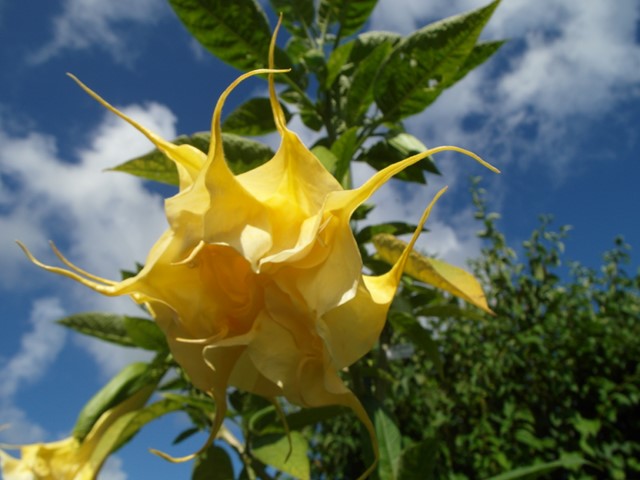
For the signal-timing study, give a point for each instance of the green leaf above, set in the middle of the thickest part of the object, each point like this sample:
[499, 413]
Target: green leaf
[246, 404]
[425, 62]
[336, 62]
[297, 15]
[367, 42]
[311, 416]
[241, 153]
[343, 149]
[265, 421]
[236, 32]
[396, 147]
[310, 117]
[154, 166]
[182, 436]
[125, 384]
[297, 47]
[407, 324]
[350, 15]
[132, 423]
[213, 464]
[326, 157]
[105, 326]
[252, 118]
[570, 461]
[481, 52]
[449, 311]
[145, 334]
[389, 438]
[360, 93]
[418, 461]
[394, 228]
[273, 449]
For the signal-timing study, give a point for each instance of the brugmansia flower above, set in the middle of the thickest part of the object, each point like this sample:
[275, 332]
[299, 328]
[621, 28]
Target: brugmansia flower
[70, 458]
[258, 281]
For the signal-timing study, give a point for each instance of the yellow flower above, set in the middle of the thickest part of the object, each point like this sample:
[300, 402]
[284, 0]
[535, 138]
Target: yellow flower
[70, 459]
[258, 281]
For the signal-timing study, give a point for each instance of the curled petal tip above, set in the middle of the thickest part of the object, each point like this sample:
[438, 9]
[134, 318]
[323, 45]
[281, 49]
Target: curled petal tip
[171, 459]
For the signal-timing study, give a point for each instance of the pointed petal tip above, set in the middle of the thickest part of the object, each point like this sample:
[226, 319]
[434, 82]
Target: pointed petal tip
[171, 459]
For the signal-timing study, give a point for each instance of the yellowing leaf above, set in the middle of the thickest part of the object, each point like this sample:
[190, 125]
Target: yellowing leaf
[435, 272]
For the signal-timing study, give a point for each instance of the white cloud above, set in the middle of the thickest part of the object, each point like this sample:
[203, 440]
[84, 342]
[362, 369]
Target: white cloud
[84, 24]
[568, 63]
[39, 348]
[105, 221]
[112, 469]
[19, 428]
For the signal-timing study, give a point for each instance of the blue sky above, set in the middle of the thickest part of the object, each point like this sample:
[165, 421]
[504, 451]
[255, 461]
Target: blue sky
[557, 111]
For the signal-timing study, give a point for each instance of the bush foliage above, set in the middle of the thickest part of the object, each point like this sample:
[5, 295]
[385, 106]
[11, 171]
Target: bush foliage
[554, 375]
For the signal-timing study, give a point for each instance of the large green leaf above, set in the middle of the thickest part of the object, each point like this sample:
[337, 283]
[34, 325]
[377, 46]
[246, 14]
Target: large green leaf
[569, 461]
[407, 324]
[351, 15]
[297, 15]
[311, 416]
[118, 329]
[343, 149]
[214, 464]
[389, 438]
[241, 153]
[105, 326]
[427, 61]
[274, 450]
[360, 93]
[481, 52]
[394, 228]
[326, 157]
[396, 147]
[145, 334]
[237, 32]
[130, 425]
[129, 381]
[337, 61]
[417, 461]
[254, 117]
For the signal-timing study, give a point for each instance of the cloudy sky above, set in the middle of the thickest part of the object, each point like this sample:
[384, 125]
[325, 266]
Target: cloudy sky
[557, 111]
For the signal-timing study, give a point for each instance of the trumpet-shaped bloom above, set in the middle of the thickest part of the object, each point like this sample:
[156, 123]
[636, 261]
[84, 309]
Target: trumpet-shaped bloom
[258, 281]
[71, 459]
